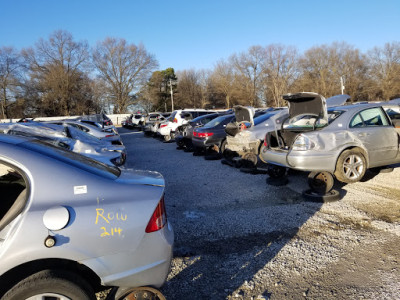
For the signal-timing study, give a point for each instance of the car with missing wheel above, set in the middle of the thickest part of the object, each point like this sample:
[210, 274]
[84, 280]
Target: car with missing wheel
[344, 141]
[71, 235]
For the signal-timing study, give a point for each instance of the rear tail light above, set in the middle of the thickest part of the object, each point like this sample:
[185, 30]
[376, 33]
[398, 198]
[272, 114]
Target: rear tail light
[159, 217]
[163, 125]
[303, 143]
[109, 135]
[202, 134]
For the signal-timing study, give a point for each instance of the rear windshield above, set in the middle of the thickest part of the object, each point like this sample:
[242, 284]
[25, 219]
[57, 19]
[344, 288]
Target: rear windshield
[72, 158]
[220, 120]
[262, 118]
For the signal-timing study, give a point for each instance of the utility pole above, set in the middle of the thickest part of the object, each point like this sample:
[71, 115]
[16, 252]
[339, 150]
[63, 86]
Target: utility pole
[341, 84]
[172, 95]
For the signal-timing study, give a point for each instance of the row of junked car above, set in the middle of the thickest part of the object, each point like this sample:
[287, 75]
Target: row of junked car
[329, 138]
[90, 138]
[64, 231]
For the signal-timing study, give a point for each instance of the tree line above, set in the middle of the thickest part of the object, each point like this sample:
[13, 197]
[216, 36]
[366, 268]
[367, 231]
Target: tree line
[62, 76]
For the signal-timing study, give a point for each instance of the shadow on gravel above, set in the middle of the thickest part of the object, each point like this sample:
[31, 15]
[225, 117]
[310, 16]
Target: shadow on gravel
[224, 268]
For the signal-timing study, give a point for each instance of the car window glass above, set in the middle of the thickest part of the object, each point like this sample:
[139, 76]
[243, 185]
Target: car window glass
[356, 121]
[217, 121]
[393, 112]
[12, 185]
[262, 118]
[374, 117]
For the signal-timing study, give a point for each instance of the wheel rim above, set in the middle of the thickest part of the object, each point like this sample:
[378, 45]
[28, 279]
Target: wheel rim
[320, 182]
[49, 296]
[353, 167]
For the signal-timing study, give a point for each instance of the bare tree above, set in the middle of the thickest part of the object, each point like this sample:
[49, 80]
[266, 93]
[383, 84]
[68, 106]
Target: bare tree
[10, 68]
[125, 67]
[56, 69]
[249, 71]
[280, 69]
[223, 79]
[204, 87]
[188, 91]
[385, 70]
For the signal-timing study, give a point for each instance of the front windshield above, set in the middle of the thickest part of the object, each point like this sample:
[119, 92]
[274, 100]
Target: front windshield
[217, 121]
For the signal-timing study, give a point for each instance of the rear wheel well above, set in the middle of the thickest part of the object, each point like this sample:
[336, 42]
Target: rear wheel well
[358, 148]
[15, 275]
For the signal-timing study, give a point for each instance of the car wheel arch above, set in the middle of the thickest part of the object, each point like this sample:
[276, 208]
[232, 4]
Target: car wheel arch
[363, 152]
[20, 272]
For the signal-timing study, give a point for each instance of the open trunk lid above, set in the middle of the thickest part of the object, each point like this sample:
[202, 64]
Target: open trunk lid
[306, 104]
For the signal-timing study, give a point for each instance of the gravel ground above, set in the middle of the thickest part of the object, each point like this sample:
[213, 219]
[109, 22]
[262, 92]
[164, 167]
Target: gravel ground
[238, 238]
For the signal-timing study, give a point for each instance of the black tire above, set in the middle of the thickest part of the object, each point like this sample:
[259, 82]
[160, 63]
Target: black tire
[321, 182]
[52, 283]
[331, 196]
[351, 166]
[276, 171]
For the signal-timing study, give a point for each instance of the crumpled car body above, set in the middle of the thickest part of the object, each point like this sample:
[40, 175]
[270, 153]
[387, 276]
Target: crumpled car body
[59, 211]
[344, 140]
[249, 140]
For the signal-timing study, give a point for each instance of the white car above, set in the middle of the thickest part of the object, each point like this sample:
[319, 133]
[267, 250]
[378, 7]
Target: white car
[179, 117]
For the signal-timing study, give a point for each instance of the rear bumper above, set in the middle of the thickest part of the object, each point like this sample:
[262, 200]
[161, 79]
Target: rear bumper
[204, 143]
[300, 160]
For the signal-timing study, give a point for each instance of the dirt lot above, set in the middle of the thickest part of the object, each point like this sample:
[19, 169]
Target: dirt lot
[238, 238]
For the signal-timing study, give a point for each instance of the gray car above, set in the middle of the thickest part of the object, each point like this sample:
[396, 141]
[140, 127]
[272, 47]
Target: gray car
[71, 226]
[344, 140]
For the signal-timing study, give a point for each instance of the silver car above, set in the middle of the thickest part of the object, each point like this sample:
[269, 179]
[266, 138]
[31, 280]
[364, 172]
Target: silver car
[91, 129]
[70, 226]
[70, 138]
[344, 140]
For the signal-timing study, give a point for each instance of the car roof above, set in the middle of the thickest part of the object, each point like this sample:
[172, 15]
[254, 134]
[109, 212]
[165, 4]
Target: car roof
[355, 106]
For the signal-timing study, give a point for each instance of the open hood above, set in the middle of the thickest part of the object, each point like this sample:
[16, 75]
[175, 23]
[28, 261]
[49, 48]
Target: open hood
[337, 100]
[306, 104]
[244, 114]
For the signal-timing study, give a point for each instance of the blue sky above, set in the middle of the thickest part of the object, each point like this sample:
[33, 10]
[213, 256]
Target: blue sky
[196, 34]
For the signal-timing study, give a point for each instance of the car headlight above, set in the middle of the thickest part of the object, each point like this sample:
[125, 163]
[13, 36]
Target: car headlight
[302, 143]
